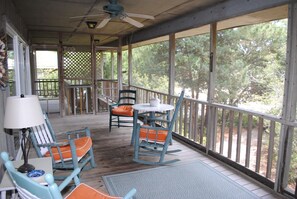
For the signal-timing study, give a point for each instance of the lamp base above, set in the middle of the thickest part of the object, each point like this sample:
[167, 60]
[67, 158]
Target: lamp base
[26, 168]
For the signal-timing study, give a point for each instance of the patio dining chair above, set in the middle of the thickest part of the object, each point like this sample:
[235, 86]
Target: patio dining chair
[29, 189]
[154, 140]
[120, 112]
[74, 152]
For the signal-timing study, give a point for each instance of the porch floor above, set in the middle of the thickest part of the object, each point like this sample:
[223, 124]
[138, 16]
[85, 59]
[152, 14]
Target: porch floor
[114, 154]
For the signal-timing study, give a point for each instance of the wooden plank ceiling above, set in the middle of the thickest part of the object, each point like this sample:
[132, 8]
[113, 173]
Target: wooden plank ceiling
[46, 18]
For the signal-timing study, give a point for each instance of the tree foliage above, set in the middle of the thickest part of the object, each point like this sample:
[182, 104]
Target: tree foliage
[192, 63]
[251, 63]
[150, 66]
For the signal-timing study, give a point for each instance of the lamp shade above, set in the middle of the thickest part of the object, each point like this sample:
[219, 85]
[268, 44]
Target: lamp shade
[22, 112]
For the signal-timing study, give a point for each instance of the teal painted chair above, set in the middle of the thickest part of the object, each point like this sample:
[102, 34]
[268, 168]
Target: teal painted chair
[154, 140]
[27, 188]
[120, 112]
[74, 152]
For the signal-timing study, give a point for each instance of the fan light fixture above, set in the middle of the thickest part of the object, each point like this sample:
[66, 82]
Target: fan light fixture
[115, 10]
[91, 24]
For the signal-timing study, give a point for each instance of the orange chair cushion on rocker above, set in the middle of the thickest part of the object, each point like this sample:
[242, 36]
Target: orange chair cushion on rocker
[123, 110]
[150, 134]
[82, 144]
[85, 191]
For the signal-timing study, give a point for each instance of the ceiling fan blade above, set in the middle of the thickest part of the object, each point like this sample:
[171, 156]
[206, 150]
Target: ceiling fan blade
[103, 22]
[132, 21]
[139, 15]
[82, 16]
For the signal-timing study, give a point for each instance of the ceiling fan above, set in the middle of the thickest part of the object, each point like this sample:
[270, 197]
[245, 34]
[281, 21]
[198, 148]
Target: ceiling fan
[116, 10]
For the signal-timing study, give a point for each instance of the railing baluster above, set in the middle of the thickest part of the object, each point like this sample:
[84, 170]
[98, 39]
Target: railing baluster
[87, 100]
[270, 149]
[74, 100]
[230, 139]
[202, 123]
[186, 120]
[248, 141]
[223, 131]
[259, 144]
[195, 121]
[215, 122]
[191, 121]
[239, 131]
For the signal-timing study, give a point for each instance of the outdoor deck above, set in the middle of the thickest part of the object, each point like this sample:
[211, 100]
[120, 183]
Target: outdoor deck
[113, 153]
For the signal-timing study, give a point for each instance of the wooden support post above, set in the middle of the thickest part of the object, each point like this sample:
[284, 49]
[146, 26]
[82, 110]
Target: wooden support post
[171, 66]
[61, 77]
[211, 86]
[130, 65]
[93, 74]
[289, 102]
[33, 70]
[112, 64]
[120, 65]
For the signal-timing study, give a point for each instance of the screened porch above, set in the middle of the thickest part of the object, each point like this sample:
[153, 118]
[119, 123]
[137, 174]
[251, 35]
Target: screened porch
[236, 60]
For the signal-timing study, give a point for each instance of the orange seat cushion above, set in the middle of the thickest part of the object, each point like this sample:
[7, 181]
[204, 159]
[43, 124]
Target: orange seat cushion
[123, 110]
[82, 144]
[151, 134]
[85, 191]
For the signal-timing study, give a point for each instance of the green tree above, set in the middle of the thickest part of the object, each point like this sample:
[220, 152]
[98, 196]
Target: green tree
[250, 63]
[192, 63]
[150, 66]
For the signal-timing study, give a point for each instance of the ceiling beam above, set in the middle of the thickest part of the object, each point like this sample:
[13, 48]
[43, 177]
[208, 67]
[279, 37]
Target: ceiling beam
[77, 32]
[209, 15]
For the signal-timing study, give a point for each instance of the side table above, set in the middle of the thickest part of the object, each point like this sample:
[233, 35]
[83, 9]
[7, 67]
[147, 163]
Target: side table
[39, 163]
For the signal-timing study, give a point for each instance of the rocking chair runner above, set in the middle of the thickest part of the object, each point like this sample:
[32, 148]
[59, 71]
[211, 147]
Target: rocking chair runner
[154, 140]
[122, 109]
[72, 153]
[27, 188]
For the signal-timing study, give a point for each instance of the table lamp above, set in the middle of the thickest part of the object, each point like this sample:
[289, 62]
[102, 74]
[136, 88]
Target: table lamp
[23, 112]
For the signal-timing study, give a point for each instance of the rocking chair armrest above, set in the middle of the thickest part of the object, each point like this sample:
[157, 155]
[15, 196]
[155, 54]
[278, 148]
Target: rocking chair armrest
[73, 175]
[77, 133]
[130, 194]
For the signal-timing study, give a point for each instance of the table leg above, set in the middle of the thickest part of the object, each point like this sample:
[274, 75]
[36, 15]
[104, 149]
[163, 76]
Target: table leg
[152, 117]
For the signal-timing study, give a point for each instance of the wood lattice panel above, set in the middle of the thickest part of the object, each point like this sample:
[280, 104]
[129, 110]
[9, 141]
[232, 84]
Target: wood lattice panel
[99, 65]
[77, 65]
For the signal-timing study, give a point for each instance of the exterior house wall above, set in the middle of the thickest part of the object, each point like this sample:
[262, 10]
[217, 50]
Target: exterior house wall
[8, 15]
[2, 100]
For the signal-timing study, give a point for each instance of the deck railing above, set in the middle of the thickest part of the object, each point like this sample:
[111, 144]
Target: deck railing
[78, 97]
[47, 88]
[247, 139]
[48, 92]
